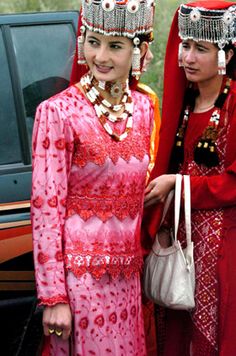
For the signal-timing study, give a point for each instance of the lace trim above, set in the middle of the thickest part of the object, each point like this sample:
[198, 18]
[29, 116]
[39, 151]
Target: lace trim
[54, 300]
[98, 265]
[98, 150]
[118, 196]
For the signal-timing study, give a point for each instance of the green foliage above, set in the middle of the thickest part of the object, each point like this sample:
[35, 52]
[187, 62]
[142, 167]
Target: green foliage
[165, 10]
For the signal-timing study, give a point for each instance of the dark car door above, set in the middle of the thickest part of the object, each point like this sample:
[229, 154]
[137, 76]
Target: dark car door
[36, 52]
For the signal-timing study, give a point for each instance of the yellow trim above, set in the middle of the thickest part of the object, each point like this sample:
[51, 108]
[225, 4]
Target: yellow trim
[154, 141]
[15, 205]
[14, 224]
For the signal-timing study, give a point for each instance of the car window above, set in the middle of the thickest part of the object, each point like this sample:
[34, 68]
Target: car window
[44, 57]
[10, 150]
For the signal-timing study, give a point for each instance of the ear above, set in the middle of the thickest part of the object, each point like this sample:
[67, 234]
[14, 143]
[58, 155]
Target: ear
[143, 48]
[229, 55]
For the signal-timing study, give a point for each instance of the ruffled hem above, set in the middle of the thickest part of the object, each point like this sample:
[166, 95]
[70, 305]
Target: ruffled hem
[53, 300]
[97, 266]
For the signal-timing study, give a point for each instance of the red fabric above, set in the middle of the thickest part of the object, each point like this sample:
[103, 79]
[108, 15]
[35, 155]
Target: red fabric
[211, 4]
[217, 191]
[175, 84]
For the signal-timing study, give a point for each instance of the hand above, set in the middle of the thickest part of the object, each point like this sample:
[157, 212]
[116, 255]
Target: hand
[56, 319]
[158, 189]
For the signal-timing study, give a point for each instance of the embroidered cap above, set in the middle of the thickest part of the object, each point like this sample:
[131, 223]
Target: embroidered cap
[203, 23]
[127, 18]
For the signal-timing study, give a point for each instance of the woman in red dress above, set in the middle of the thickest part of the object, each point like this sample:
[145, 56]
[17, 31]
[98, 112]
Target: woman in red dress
[198, 138]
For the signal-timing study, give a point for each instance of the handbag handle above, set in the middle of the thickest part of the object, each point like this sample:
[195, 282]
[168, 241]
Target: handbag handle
[187, 206]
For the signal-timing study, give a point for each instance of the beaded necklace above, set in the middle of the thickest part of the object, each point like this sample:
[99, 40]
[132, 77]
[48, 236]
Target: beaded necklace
[205, 151]
[104, 108]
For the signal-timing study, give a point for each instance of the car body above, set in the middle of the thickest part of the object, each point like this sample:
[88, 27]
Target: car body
[35, 63]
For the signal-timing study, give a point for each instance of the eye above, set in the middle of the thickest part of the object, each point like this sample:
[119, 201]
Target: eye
[201, 49]
[93, 43]
[115, 46]
[185, 45]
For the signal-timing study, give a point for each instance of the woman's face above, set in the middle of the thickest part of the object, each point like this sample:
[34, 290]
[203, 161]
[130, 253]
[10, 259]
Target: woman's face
[200, 60]
[109, 57]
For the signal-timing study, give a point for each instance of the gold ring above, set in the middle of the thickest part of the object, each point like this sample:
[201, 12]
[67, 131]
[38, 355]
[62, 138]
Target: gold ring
[51, 331]
[58, 332]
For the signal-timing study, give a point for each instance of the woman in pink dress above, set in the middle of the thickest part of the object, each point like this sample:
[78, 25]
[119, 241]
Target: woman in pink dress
[198, 138]
[91, 152]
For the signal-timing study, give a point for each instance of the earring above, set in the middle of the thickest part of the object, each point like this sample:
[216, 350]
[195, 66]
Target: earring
[221, 61]
[80, 44]
[136, 72]
[180, 55]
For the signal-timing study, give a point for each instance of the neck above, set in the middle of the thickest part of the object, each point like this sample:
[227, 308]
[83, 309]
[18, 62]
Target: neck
[209, 91]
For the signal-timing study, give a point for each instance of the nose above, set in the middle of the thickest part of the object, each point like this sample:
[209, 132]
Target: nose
[102, 54]
[189, 55]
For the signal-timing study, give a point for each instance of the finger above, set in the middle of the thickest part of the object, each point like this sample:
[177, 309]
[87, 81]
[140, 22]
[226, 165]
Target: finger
[150, 186]
[150, 202]
[66, 334]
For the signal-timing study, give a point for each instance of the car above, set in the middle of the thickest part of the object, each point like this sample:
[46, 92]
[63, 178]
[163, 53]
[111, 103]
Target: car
[35, 63]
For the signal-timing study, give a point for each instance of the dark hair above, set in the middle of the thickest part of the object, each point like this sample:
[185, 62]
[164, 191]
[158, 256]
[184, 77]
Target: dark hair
[231, 66]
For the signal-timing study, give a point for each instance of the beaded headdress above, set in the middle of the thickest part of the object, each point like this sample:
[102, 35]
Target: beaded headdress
[210, 25]
[127, 18]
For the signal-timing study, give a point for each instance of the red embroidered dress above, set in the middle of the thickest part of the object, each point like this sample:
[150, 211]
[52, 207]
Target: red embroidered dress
[210, 330]
[87, 204]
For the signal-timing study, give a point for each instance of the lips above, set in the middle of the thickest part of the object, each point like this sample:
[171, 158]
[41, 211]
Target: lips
[190, 70]
[103, 69]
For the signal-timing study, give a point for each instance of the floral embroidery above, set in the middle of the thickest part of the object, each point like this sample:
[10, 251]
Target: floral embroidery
[98, 265]
[60, 144]
[46, 143]
[97, 150]
[83, 323]
[99, 320]
[42, 258]
[59, 256]
[37, 202]
[113, 318]
[124, 314]
[52, 202]
[116, 196]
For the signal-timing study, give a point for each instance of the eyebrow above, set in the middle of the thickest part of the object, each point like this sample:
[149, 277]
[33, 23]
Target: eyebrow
[111, 42]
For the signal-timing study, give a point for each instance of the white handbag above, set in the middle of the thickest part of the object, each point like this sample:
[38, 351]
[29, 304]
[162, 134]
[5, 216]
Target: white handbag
[169, 273]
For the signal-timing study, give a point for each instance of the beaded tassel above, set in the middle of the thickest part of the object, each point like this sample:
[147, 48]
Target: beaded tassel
[180, 53]
[80, 47]
[136, 71]
[221, 62]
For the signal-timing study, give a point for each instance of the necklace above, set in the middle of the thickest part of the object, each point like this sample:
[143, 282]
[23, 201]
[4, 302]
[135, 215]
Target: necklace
[205, 150]
[103, 107]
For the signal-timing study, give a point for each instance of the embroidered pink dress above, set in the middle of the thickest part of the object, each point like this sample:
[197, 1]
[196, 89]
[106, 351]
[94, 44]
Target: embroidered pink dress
[87, 202]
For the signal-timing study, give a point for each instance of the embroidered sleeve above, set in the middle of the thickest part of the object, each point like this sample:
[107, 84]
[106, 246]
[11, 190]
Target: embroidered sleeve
[52, 151]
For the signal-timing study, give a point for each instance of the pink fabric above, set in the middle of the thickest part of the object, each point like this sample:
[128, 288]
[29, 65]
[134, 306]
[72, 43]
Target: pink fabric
[108, 318]
[87, 193]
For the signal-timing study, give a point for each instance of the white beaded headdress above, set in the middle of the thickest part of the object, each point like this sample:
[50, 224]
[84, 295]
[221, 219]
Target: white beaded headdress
[202, 24]
[127, 18]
